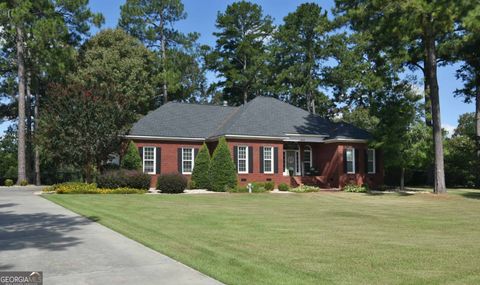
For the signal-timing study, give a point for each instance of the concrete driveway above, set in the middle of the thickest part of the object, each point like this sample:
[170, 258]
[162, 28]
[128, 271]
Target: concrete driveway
[38, 235]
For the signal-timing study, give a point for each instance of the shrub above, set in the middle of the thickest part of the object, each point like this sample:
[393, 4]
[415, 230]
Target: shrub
[132, 160]
[305, 189]
[269, 186]
[172, 183]
[238, 189]
[124, 178]
[354, 188]
[23, 183]
[200, 177]
[8, 182]
[84, 188]
[283, 187]
[258, 187]
[223, 174]
[191, 185]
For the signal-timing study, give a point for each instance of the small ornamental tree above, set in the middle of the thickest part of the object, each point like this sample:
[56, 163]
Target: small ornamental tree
[132, 160]
[200, 176]
[222, 169]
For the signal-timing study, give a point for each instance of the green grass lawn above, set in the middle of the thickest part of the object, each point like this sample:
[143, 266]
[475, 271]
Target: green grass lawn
[315, 238]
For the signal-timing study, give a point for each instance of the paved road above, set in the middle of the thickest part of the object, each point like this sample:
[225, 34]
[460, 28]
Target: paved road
[38, 235]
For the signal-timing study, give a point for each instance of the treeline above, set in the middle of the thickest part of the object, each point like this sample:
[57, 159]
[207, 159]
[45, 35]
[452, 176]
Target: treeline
[92, 89]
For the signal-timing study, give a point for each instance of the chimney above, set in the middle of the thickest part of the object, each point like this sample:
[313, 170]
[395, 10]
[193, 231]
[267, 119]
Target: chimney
[225, 103]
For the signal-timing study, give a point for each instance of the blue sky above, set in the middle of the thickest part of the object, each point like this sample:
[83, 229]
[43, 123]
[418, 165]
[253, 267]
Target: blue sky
[201, 15]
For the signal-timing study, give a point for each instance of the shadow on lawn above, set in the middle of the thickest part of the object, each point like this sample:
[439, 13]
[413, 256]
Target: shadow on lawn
[397, 193]
[471, 195]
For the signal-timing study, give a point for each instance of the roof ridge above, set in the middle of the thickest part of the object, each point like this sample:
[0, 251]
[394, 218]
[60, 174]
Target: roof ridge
[199, 104]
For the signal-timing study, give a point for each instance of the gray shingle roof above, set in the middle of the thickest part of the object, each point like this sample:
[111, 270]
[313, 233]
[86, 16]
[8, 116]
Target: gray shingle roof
[263, 116]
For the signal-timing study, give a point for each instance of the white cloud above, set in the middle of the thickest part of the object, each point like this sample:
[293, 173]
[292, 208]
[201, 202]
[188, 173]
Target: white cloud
[449, 128]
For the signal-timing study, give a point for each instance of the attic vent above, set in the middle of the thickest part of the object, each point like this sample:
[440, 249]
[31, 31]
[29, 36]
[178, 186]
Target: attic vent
[225, 103]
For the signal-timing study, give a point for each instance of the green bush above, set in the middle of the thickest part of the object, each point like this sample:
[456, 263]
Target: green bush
[172, 183]
[354, 188]
[258, 187]
[200, 177]
[23, 183]
[305, 189]
[84, 188]
[238, 189]
[269, 186]
[132, 160]
[8, 182]
[124, 178]
[283, 187]
[223, 174]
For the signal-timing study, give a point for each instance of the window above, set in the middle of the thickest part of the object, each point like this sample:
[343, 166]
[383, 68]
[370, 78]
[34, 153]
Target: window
[187, 160]
[371, 161]
[307, 158]
[350, 160]
[149, 159]
[268, 159]
[242, 159]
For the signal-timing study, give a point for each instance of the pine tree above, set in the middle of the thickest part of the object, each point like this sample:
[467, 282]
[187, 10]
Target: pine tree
[132, 160]
[200, 172]
[222, 169]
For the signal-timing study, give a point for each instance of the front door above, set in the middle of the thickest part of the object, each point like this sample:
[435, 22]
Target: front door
[291, 160]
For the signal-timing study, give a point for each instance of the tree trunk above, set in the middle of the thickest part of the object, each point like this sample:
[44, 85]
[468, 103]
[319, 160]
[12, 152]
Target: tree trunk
[28, 147]
[245, 93]
[21, 106]
[402, 179]
[477, 131]
[431, 66]
[36, 114]
[428, 101]
[164, 62]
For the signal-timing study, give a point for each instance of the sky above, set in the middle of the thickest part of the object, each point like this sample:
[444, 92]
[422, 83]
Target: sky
[201, 16]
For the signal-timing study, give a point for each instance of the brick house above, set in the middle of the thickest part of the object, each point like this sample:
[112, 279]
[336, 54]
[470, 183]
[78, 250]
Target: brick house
[269, 140]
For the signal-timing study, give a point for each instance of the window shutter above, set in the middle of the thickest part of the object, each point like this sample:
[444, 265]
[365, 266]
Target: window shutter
[345, 169]
[235, 156]
[378, 156]
[195, 152]
[250, 159]
[158, 163]
[357, 161]
[275, 159]
[140, 151]
[261, 159]
[179, 160]
[366, 160]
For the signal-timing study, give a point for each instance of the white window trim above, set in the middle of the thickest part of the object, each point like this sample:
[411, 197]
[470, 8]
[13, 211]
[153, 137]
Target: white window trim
[353, 161]
[246, 160]
[272, 160]
[154, 159]
[373, 160]
[193, 160]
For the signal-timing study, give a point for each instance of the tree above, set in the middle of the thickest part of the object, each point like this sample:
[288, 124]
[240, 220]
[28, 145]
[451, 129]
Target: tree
[132, 160]
[200, 174]
[152, 22]
[398, 29]
[361, 118]
[37, 32]
[300, 48]
[240, 53]
[85, 117]
[8, 155]
[223, 174]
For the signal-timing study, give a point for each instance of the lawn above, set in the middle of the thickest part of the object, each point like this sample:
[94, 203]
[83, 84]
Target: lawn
[315, 238]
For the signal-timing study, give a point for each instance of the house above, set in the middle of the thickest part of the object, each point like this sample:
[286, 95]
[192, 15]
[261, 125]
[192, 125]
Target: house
[269, 140]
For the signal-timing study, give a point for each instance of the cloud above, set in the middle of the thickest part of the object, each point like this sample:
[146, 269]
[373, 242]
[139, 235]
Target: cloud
[449, 128]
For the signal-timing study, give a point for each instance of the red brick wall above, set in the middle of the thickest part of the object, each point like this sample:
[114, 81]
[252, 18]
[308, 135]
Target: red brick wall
[169, 161]
[256, 176]
[327, 158]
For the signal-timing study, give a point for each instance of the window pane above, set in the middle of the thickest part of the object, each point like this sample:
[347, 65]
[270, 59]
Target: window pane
[267, 153]
[242, 166]
[349, 166]
[349, 155]
[242, 152]
[268, 166]
[148, 166]
[187, 154]
[370, 167]
[187, 166]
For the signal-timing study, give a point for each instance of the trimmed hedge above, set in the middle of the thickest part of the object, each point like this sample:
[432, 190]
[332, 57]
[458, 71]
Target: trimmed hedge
[124, 179]
[238, 189]
[283, 187]
[355, 188]
[305, 189]
[200, 175]
[223, 175]
[172, 183]
[8, 182]
[84, 188]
